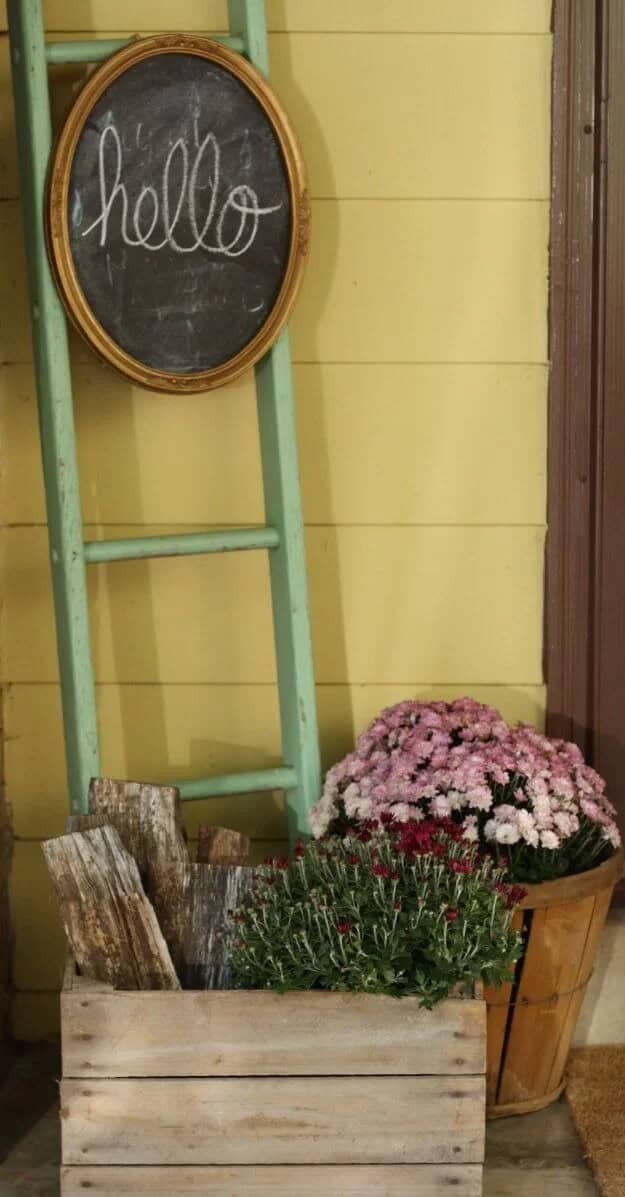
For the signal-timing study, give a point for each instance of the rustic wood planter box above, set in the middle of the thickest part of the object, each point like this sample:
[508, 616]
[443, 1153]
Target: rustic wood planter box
[235, 1093]
[531, 1022]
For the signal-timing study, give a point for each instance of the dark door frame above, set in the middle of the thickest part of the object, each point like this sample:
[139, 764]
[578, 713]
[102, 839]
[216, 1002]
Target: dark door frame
[585, 557]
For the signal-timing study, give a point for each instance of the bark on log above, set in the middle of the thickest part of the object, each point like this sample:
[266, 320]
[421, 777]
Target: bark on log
[220, 845]
[192, 903]
[109, 922]
[147, 817]
[86, 823]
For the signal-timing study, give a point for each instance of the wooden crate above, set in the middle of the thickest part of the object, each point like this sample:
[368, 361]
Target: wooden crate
[243, 1092]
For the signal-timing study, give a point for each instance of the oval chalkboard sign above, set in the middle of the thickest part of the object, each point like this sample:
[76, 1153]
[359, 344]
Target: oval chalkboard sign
[178, 214]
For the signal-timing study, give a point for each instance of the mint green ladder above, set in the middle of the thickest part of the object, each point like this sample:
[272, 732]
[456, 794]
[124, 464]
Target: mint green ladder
[299, 774]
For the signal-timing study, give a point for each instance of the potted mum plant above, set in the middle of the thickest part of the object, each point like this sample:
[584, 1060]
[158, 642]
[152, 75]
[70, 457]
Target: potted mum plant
[342, 931]
[540, 813]
[408, 909]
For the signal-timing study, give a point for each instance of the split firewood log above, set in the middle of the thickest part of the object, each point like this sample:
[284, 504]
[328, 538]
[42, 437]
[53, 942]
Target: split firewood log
[192, 902]
[221, 845]
[147, 817]
[110, 924]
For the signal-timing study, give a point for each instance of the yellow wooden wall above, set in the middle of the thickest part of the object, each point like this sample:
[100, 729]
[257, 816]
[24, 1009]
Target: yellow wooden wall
[420, 369]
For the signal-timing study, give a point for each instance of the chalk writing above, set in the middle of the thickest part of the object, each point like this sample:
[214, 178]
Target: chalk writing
[156, 218]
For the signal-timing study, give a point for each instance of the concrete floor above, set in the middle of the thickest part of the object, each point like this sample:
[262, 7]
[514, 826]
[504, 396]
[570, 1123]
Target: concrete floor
[526, 1157]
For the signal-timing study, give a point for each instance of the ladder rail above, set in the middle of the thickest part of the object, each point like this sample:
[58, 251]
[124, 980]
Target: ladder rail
[283, 510]
[300, 773]
[54, 398]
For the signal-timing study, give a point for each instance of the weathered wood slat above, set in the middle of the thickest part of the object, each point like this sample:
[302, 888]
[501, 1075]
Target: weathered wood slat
[192, 902]
[498, 1013]
[147, 817]
[550, 967]
[572, 1003]
[258, 1033]
[563, 921]
[312, 1120]
[379, 1180]
[221, 845]
[109, 922]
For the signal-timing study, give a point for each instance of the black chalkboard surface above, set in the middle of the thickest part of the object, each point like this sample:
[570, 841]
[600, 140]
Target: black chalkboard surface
[179, 230]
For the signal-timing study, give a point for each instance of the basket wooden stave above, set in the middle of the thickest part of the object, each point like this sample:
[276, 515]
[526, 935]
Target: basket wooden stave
[531, 1021]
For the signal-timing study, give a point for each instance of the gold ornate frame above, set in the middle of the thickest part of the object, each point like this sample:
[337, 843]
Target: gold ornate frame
[57, 229]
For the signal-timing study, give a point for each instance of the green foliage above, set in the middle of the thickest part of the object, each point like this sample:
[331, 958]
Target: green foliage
[391, 911]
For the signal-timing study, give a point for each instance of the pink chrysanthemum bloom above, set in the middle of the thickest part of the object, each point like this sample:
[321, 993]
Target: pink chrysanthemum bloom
[528, 799]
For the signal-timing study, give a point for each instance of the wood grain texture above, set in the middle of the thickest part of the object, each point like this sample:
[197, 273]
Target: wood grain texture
[221, 845]
[572, 1005]
[529, 1040]
[110, 925]
[398, 1180]
[243, 1033]
[497, 1017]
[551, 963]
[568, 605]
[41, 946]
[307, 1121]
[147, 817]
[608, 420]
[86, 823]
[192, 903]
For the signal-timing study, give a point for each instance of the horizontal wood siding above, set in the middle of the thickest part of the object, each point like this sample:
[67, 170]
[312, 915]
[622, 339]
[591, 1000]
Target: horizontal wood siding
[379, 444]
[497, 248]
[352, 16]
[447, 582]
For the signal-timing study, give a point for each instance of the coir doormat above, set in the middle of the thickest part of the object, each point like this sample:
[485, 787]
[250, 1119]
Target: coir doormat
[596, 1093]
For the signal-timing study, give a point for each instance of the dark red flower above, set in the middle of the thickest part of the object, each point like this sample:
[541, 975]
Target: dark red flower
[364, 836]
[396, 905]
[300, 850]
[515, 894]
[388, 821]
[380, 870]
[451, 915]
[460, 866]
[354, 859]
[343, 928]
[282, 863]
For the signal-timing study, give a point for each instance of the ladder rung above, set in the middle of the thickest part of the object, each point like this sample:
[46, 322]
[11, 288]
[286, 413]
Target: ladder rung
[239, 783]
[96, 51]
[224, 541]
